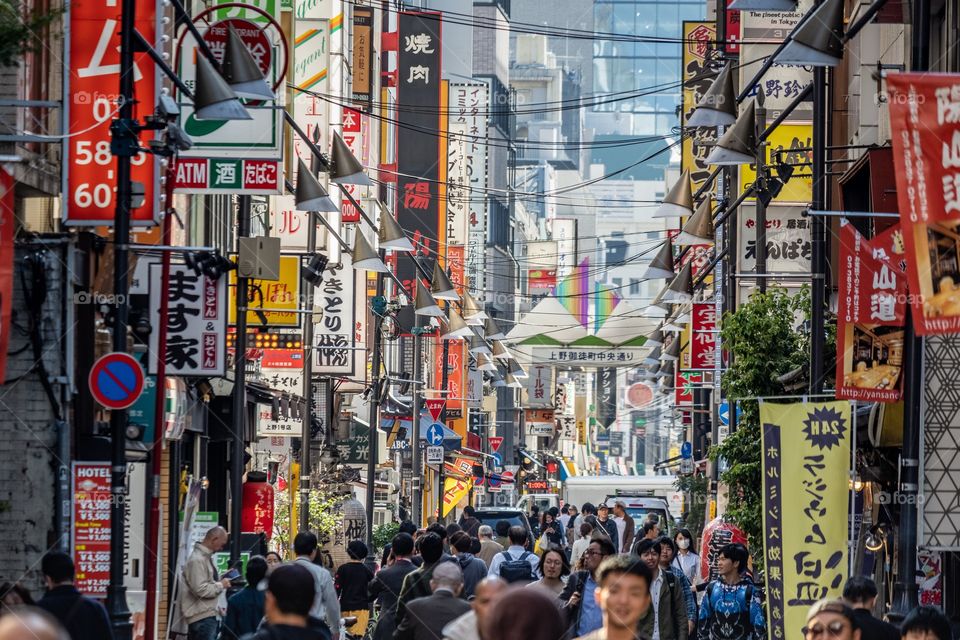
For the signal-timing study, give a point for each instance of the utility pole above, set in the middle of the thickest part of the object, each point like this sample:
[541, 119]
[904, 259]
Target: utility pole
[760, 192]
[124, 145]
[306, 461]
[239, 391]
[417, 471]
[377, 386]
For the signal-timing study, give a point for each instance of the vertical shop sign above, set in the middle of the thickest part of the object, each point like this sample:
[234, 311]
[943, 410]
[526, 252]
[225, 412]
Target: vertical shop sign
[91, 527]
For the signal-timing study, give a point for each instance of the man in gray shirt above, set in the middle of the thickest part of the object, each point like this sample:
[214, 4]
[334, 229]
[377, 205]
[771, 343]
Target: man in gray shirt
[326, 606]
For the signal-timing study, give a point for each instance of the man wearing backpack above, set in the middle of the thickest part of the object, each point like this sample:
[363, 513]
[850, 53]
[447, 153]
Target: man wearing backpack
[578, 599]
[729, 610]
[516, 564]
[667, 617]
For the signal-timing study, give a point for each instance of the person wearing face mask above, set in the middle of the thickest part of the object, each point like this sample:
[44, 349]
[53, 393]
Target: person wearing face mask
[687, 561]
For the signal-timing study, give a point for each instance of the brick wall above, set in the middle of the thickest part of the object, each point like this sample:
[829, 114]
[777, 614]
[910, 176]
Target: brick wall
[28, 432]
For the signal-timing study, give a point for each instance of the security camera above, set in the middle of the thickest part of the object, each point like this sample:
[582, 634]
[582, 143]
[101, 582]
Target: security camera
[178, 138]
[167, 107]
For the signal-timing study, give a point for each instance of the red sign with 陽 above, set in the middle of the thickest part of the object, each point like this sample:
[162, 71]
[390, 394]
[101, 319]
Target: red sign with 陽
[91, 527]
[925, 132]
[870, 315]
[93, 84]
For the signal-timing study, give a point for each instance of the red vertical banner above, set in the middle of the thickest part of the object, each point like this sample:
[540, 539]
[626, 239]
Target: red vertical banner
[91, 527]
[93, 80]
[353, 136]
[925, 132]
[870, 317]
[703, 338]
[7, 224]
[684, 382]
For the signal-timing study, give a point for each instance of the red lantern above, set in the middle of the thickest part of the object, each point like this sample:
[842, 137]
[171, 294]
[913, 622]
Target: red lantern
[257, 513]
[716, 534]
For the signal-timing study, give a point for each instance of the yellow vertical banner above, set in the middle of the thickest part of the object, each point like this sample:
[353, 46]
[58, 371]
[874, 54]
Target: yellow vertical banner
[806, 463]
[698, 38]
[294, 488]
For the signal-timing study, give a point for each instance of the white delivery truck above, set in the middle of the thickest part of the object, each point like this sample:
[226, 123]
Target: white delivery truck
[640, 493]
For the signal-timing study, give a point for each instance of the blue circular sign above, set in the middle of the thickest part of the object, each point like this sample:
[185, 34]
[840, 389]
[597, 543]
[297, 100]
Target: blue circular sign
[435, 434]
[494, 480]
[116, 380]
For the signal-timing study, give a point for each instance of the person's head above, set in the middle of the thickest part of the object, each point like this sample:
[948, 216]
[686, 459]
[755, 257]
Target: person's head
[460, 542]
[534, 509]
[485, 532]
[597, 551]
[407, 527]
[649, 552]
[290, 593]
[453, 528]
[565, 509]
[57, 568]
[650, 530]
[31, 623]
[256, 570]
[357, 549]
[684, 540]
[402, 545]
[732, 560]
[831, 620]
[431, 547]
[386, 555]
[619, 508]
[588, 509]
[554, 512]
[273, 560]
[586, 529]
[517, 535]
[503, 528]
[484, 594]
[554, 564]
[860, 592]
[523, 613]
[13, 595]
[572, 510]
[603, 511]
[438, 529]
[667, 551]
[547, 519]
[475, 546]
[925, 623]
[448, 576]
[469, 511]
[215, 539]
[623, 591]
[305, 544]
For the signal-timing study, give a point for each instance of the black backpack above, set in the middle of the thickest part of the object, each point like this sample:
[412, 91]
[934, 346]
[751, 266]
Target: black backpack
[518, 570]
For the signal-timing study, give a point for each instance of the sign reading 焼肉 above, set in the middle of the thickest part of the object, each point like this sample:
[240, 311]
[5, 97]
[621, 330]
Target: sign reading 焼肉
[870, 315]
[925, 133]
[806, 464]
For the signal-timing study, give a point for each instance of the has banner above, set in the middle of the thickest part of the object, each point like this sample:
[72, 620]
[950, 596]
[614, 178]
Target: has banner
[925, 131]
[806, 463]
[870, 317]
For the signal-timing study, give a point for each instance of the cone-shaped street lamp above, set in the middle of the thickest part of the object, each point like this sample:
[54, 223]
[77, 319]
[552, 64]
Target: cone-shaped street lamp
[500, 351]
[512, 382]
[423, 302]
[653, 357]
[681, 288]
[718, 106]
[472, 311]
[655, 339]
[667, 371]
[492, 331]
[679, 200]
[738, 144]
[658, 308]
[699, 228]
[818, 39]
[479, 345]
[345, 168]
[241, 71]
[662, 264]
[390, 234]
[365, 258]
[213, 98]
[456, 327]
[671, 326]
[672, 352]
[515, 369]
[485, 363]
[440, 285]
[684, 315]
[311, 196]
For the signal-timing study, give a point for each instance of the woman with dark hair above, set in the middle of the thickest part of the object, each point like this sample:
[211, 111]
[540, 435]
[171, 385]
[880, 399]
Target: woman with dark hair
[351, 582]
[580, 544]
[273, 560]
[523, 613]
[554, 568]
[13, 595]
[551, 533]
[687, 561]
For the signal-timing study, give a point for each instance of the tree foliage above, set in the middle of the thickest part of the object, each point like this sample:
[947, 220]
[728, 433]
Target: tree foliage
[323, 520]
[765, 344]
[20, 34]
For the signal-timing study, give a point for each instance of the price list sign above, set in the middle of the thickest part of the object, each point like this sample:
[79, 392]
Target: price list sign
[91, 527]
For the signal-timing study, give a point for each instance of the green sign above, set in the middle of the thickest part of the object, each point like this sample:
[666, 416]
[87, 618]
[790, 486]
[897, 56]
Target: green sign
[356, 449]
[144, 410]
[222, 562]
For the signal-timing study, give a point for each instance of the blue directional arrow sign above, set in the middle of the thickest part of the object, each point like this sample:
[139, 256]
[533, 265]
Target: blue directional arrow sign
[497, 459]
[686, 450]
[435, 434]
[723, 413]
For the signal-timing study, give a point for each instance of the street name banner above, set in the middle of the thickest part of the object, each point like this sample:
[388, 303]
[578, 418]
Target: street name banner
[925, 132]
[588, 356]
[806, 469]
[871, 314]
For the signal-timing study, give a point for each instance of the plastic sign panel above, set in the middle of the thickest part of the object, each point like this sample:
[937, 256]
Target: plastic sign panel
[228, 176]
[698, 38]
[468, 107]
[278, 299]
[91, 79]
[90, 532]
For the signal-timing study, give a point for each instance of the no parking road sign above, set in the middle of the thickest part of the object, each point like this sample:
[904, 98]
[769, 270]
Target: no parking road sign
[116, 380]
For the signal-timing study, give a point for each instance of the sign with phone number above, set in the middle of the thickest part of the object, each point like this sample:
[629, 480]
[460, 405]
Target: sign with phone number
[93, 80]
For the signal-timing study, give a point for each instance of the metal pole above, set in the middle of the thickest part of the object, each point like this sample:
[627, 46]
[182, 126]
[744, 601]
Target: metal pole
[239, 391]
[761, 208]
[818, 229]
[306, 462]
[123, 145]
[905, 588]
[416, 497]
[444, 380]
[376, 389]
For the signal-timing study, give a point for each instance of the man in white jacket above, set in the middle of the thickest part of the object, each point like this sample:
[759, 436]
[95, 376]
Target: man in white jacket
[202, 587]
[467, 626]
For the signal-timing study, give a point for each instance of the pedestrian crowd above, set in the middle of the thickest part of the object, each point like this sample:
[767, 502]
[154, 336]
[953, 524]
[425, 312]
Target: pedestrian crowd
[575, 574]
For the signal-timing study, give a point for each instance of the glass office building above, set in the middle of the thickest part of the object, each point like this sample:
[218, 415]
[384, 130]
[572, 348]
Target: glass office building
[625, 66]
